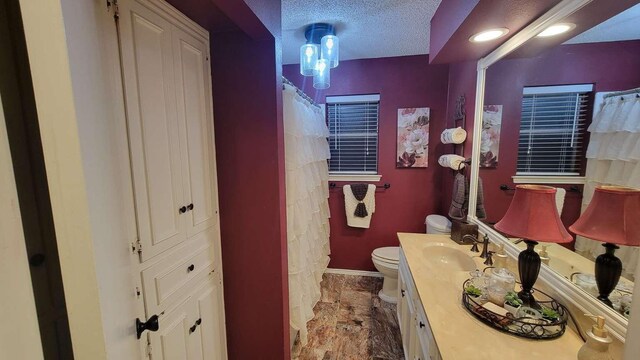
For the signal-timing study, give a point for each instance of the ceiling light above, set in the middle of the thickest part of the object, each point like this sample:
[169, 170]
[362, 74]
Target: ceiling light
[320, 54]
[489, 35]
[556, 29]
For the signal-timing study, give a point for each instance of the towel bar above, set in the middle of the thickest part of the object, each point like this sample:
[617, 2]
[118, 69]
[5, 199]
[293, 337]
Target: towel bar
[332, 185]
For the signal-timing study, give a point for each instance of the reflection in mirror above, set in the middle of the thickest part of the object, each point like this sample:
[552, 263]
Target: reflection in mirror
[568, 117]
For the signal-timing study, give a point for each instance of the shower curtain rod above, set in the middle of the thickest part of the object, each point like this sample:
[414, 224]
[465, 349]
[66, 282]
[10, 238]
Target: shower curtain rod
[300, 92]
[625, 92]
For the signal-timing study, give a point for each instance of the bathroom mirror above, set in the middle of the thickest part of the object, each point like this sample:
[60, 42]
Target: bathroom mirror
[538, 98]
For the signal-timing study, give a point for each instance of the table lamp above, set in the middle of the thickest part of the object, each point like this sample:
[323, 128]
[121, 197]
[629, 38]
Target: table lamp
[612, 217]
[532, 216]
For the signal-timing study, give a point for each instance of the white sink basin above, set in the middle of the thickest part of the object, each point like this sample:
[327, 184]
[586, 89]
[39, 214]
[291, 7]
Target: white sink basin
[448, 258]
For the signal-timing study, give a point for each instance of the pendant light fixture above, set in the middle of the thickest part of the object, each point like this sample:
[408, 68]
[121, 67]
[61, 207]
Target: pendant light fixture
[330, 49]
[320, 54]
[308, 59]
[322, 75]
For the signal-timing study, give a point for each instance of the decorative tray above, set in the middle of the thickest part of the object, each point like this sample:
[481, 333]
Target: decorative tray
[525, 326]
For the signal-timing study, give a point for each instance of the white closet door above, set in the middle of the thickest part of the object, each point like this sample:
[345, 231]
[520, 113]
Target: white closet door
[211, 328]
[172, 340]
[150, 90]
[196, 120]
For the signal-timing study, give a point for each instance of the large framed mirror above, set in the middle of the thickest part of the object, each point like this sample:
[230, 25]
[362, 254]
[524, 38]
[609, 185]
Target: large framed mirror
[536, 99]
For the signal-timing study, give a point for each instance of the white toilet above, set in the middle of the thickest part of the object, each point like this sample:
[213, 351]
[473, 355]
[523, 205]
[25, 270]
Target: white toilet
[386, 259]
[438, 224]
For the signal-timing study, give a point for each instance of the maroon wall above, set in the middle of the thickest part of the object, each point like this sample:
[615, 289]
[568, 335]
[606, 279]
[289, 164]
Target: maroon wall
[609, 66]
[247, 97]
[401, 82]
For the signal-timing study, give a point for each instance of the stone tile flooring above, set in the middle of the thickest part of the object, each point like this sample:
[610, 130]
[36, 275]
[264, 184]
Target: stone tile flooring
[351, 323]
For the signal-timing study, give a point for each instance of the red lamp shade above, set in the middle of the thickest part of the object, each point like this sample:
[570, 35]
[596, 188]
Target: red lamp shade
[613, 216]
[533, 215]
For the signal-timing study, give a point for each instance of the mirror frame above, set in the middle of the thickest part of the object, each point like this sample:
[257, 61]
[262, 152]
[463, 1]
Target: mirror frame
[566, 290]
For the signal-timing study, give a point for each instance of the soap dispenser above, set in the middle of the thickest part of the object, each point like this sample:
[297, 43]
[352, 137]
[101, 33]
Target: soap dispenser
[500, 258]
[598, 340]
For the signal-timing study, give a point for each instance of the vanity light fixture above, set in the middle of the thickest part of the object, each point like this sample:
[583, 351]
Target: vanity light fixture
[556, 29]
[489, 35]
[532, 216]
[320, 54]
[612, 218]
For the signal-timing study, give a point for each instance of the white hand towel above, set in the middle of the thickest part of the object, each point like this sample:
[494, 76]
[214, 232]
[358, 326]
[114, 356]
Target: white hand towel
[350, 203]
[453, 161]
[453, 136]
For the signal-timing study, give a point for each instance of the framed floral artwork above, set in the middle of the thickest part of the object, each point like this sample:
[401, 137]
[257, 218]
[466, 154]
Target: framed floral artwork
[413, 138]
[490, 140]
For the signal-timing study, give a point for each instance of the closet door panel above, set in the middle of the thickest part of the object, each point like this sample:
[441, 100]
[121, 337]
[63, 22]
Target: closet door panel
[171, 341]
[150, 91]
[195, 114]
[211, 329]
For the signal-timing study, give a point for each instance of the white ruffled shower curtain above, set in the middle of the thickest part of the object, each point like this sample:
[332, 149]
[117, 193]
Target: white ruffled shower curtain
[613, 158]
[307, 189]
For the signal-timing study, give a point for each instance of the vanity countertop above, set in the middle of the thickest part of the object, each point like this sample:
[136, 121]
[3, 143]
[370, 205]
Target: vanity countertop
[458, 334]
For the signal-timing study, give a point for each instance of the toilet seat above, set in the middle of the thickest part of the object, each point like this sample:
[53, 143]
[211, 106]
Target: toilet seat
[389, 254]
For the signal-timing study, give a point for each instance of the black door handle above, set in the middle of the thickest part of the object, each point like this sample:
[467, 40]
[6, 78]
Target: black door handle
[195, 326]
[151, 324]
[182, 210]
[190, 268]
[190, 207]
[36, 260]
[421, 324]
[402, 292]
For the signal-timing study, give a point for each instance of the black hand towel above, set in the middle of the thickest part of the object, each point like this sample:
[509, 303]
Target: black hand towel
[359, 192]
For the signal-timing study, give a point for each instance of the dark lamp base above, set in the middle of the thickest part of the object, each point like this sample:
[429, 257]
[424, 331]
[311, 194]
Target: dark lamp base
[529, 268]
[608, 270]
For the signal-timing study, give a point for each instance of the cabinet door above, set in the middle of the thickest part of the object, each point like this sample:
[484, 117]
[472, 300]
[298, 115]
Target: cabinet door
[172, 340]
[196, 128]
[150, 94]
[208, 342]
[404, 317]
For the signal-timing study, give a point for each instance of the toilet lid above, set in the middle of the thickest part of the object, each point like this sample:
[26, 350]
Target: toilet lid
[390, 253]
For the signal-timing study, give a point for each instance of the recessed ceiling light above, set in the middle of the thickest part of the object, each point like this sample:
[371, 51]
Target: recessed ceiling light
[556, 29]
[489, 35]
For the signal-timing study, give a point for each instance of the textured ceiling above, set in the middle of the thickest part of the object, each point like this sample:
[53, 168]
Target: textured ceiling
[366, 28]
[623, 26]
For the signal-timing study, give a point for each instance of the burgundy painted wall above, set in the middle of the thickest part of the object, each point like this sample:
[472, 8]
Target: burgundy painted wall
[456, 21]
[401, 82]
[609, 66]
[247, 96]
[449, 16]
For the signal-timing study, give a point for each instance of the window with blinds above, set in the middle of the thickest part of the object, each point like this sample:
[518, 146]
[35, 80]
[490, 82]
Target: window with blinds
[353, 134]
[552, 130]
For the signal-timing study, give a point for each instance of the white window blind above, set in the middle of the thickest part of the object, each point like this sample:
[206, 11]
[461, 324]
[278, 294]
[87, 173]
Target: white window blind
[552, 130]
[353, 134]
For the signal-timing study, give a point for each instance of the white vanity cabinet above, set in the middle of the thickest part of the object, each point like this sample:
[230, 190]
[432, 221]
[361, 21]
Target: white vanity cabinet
[417, 338]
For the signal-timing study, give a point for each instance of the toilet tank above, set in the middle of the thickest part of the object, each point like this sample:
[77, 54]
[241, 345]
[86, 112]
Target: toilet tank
[438, 224]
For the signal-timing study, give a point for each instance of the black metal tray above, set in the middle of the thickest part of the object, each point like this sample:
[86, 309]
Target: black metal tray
[539, 329]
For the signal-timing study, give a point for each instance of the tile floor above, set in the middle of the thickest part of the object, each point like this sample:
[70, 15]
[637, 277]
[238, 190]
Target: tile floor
[351, 323]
